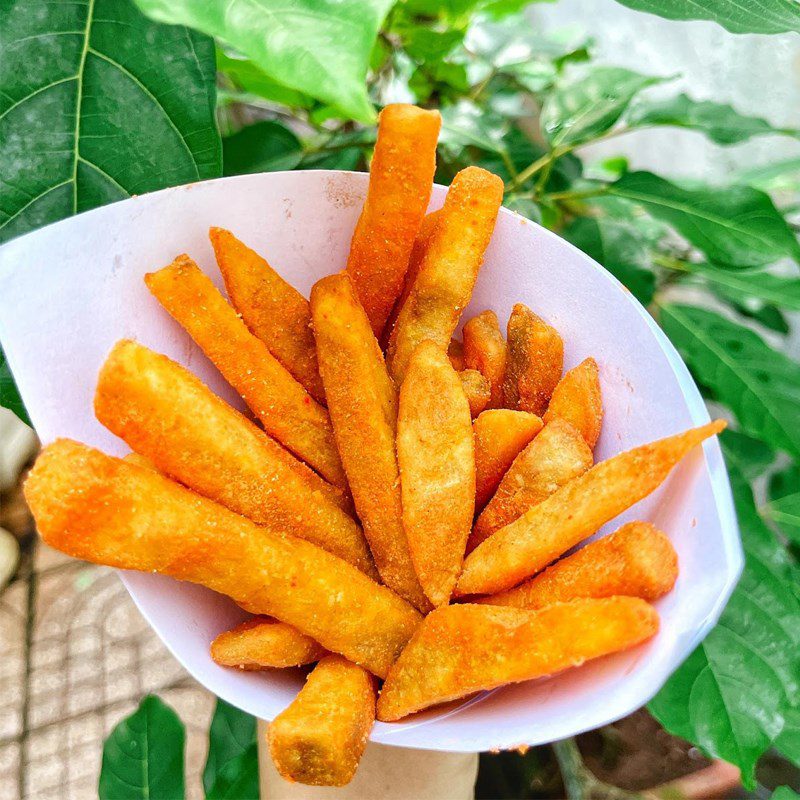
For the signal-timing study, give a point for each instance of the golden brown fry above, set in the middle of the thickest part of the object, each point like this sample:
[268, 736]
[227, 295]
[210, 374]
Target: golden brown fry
[486, 350]
[500, 436]
[455, 352]
[476, 389]
[578, 400]
[637, 560]
[283, 406]
[449, 268]
[318, 740]
[272, 309]
[535, 361]
[436, 454]
[166, 414]
[362, 401]
[556, 456]
[573, 512]
[400, 182]
[462, 649]
[264, 643]
[107, 511]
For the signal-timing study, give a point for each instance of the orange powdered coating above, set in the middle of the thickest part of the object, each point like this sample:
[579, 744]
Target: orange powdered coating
[477, 389]
[400, 183]
[500, 436]
[319, 739]
[111, 512]
[449, 268]
[573, 512]
[264, 643]
[556, 456]
[166, 414]
[362, 401]
[272, 309]
[455, 352]
[436, 454]
[485, 350]
[535, 361]
[638, 560]
[578, 400]
[462, 649]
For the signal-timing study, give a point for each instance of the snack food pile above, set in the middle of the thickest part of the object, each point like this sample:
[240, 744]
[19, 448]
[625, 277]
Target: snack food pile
[399, 506]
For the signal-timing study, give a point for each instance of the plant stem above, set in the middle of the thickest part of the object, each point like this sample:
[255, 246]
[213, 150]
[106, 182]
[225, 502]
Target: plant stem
[573, 772]
[578, 194]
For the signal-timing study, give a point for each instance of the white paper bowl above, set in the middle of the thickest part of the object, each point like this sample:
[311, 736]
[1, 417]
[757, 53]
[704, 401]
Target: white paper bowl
[69, 291]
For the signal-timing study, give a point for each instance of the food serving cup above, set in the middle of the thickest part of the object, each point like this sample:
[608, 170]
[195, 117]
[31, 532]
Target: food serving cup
[69, 291]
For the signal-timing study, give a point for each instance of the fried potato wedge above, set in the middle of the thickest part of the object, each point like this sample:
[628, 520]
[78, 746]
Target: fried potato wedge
[500, 436]
[485, 350]
[362, 402]
[462, 649]
[436, 454]
[166, 414]
[578, 400]
[319, 739]
[455, 352]
[448, 271]
[400, 183]
[637, 560]
[264, 643]
[107, 511]
[556, 456]
[573, 512]
[535, 361]
[477, 390]
[272, 309]
[285, 409]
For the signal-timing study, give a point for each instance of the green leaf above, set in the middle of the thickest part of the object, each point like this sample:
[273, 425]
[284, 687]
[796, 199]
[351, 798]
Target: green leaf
[773, 177]
[231, 771]
[760, 385]
[785, 793]
[783, 507]
[98, 103]
[9, 394]
[788, 742]
[143, 756]
[737, 226]
[249, 78]
[265, 146]
[780, 291]
[318, 47]
[749, 456]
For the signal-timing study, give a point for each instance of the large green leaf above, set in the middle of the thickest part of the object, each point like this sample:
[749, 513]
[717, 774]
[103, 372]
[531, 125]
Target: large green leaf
[736, 226]
[319, 47]
[760, 385]
[783, 507]
[780, 291]
[788, 742]
[249, 78]
[785, 793]
[9, 395]
[231, 771]
[143, 756]
[97, 103]
[265, 146]
[751, 457]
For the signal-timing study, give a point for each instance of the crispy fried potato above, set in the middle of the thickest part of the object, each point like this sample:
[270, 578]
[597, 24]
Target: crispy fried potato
[449, 268]
[264, 643]
[462, 649]
[285, 409]
[166, 414]
[476, 389]
[436, 454]
[486, 350]
[318, 740]
[272, 309]
[637, 560]
[578, 400]
[556, 456]
[400, 183]
[111, 512]
[455, 352]
[573, 512]
[535, 361]
[500, 436]
[362, 401]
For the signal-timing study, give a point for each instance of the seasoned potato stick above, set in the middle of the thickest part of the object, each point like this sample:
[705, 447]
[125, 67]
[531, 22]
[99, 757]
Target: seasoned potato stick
[436, 454]
[318, 740]
[455, 352]
[282, 405]
[573, 512]
[637, 560]
[556, 456]
[577, 399]
[166, 414]
[462, 649]
[400, 183]
[272, 309]
[448, 271]
[486, 350]
[362, 402]
[535, 361]
[477, 390]
[264, 643]
[500, 436]
[107, 511]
